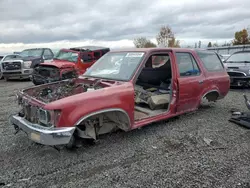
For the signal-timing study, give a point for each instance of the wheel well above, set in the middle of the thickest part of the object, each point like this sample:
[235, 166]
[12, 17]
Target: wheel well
[36, 65]
[102, 123]
[212, 96]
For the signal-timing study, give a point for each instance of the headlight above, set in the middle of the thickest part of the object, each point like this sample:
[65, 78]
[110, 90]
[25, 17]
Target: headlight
[19, 99]
[49, 117]
[27, 64]
[44, 117]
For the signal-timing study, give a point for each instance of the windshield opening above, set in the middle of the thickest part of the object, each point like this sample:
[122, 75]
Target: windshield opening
[31, 53]
[239, 57]
[116, 65]
[67, 56]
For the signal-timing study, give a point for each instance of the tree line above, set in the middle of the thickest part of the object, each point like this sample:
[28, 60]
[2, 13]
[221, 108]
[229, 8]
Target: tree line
[240, 38]
[166, 38]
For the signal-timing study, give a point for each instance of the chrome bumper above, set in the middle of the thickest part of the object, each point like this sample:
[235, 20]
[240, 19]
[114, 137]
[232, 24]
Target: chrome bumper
[18, 73]
[43, 135]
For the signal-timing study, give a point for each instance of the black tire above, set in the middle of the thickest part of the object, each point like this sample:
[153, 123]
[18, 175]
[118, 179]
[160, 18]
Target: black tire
[35, 83]
[72, 143]
[1, 74]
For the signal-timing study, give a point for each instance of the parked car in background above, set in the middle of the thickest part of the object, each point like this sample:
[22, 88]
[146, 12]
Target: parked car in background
[238, 68]
[68, 63]
[5, 58]
[122, 90]
[1, 74]
[224, 57]
[22, 66]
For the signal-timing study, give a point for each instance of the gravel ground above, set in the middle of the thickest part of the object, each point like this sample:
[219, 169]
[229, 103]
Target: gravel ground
[164, 154]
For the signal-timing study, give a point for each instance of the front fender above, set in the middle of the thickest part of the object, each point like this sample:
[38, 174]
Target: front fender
[79, 106]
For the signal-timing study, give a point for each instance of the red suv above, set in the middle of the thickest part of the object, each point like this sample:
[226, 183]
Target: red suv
[125, 89]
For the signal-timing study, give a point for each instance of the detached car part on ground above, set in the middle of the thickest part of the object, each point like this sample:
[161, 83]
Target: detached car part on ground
[122, 90]
[68, 63]
[238, 68]
[241, 118]
[22, 64]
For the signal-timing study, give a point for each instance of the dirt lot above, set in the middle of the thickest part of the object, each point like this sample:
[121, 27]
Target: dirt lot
[172, 154]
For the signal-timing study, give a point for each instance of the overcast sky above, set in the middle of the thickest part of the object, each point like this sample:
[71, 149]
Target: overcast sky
[114, 23]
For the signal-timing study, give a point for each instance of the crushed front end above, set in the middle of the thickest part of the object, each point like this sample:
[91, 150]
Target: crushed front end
[40, 124]
[46, 74]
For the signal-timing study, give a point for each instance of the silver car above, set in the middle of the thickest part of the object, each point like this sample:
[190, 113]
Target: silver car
[5, 58]
[238, 68]
[22, 66]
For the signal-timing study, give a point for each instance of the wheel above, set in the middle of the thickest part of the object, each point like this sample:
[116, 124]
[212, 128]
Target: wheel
[72, 143]
[34, 82]
[1, 74]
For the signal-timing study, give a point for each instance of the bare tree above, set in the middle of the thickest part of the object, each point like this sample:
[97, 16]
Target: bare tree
[209, 44]
[199, 45]
[164, 36]
[215, 44]
[174, 43]
[143, 42]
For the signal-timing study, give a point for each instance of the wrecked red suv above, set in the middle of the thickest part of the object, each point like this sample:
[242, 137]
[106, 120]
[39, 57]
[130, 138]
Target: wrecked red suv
[125, 90]
[68, 63]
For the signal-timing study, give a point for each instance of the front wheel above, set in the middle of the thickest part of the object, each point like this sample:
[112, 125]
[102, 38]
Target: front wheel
[35, 82]
[1, 74]
[72, 143]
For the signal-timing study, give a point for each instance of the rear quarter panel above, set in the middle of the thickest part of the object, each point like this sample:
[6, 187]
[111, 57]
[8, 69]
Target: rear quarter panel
[214, 80]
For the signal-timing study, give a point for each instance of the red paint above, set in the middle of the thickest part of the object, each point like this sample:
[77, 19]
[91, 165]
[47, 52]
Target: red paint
[78, 65]
[187, 93]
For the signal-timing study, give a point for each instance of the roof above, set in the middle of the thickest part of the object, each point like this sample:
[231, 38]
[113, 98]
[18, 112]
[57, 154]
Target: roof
[243, 51]
[148, 50]
[35, 49]
[90, 48]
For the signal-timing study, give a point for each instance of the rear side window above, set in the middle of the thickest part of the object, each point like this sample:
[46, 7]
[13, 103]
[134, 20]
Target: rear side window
[211, 61]
[187, 64]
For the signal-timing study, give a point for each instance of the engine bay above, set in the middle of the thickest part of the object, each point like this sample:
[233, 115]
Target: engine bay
[52, 92]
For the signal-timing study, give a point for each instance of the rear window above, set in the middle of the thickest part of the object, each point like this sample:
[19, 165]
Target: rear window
[211, 61]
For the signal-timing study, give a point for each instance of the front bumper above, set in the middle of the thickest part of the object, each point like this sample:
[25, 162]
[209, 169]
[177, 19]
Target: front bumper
[239, 81]
[23, 73]
[43, 135]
